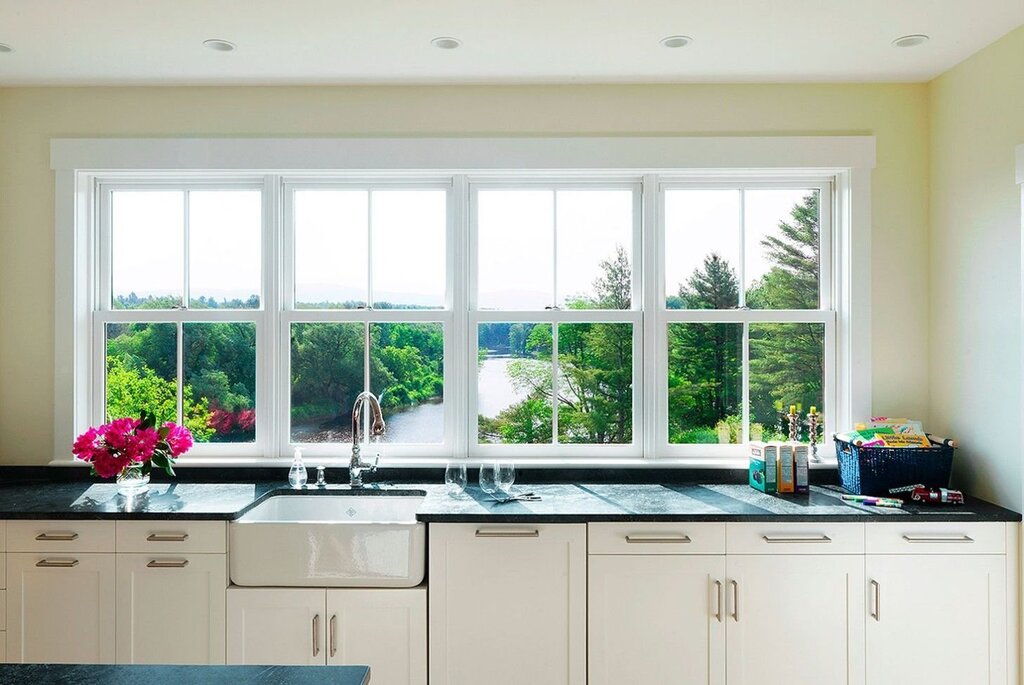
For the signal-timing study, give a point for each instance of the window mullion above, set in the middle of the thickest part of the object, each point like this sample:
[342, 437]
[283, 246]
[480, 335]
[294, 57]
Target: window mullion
[186, 219]
[554, 383]
[180, 328]
[742, 265]
[745, 409]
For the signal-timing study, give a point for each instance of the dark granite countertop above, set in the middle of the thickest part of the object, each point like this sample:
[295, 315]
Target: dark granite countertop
[560, 503]
[110, 674]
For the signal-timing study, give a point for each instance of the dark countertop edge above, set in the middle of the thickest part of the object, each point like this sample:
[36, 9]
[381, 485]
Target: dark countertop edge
[712, 518]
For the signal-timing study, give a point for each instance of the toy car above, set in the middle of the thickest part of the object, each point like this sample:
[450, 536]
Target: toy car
[936, 495]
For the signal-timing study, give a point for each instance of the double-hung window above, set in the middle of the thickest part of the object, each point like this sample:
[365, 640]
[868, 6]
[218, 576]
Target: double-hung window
[551, 312]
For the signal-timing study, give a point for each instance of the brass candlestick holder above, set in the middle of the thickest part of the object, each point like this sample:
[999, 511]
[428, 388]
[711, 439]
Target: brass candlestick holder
[813, 420]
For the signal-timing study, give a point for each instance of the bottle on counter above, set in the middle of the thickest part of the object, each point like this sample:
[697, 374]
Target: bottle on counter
[297, 475]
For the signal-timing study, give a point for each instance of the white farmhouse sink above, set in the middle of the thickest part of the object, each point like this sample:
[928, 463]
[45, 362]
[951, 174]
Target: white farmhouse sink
[335, 540]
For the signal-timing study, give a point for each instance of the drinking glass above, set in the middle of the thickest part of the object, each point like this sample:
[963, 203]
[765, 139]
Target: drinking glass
[455, 479]
[488, 478]
[505, 477]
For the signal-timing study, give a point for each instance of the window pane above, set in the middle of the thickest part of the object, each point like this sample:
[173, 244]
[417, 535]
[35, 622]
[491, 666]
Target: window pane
[595, 245]
[327, 365]
[514, 383]
[702, 249]
[595, 383]
[224, 234]
[142, 370]
[147, 248]
[787, 363]
[220, 378]
[705, 382]
[331, 248]
[515, 256]
[407, 374]
[409, 255]
[782, 249]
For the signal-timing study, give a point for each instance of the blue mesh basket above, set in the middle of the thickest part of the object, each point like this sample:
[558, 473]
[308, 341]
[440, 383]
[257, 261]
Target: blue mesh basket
[875, 470]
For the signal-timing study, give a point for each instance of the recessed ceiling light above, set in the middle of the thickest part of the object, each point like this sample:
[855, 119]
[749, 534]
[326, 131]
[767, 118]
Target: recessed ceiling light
[676, 41]
[219, 45]
[911, 41]
[446, 42]
[4, 47]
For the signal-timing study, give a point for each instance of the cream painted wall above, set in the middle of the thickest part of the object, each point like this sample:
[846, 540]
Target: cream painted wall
[896, 114]
[977, 119]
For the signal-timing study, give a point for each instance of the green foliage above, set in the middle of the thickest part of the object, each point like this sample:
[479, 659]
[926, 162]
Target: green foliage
[133, 388]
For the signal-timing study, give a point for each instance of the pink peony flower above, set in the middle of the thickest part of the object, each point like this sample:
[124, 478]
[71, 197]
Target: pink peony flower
[107, 465]
[87, 444]
[179, 439]
[118, 433]
[140, 446]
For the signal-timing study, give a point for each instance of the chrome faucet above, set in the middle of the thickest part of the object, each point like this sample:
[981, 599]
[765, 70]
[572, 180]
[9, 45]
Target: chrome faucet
[356, 466]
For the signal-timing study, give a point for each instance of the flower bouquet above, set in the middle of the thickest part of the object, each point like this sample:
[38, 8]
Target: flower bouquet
[129, 448]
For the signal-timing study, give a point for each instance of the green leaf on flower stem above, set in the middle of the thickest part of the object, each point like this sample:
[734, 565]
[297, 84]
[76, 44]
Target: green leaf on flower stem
[148, 420]
[163, 462]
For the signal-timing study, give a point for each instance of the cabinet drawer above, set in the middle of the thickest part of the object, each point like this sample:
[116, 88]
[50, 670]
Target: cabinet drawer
[656, 538]
[936, 538]
[172, 536]
[795, 538]
[60, 536]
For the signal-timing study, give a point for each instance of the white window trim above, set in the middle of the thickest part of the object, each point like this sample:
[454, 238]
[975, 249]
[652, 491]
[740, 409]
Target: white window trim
[848, 160]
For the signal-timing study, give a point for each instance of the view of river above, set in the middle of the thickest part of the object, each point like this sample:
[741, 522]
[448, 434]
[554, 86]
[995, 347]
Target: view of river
[424, 423]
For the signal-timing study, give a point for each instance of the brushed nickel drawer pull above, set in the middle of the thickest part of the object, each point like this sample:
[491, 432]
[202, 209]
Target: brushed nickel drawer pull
[167, 537]
[316, 635]
[167, 563]
[57, 563]
[657, 539]
[508, 533]
[876, 591]
[57, 537]
[938, 538]
[735, 600]
[334, 634]
[779, 539]
[718, 602]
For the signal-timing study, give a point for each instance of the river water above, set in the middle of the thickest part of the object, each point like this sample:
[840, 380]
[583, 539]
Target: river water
[424, 423]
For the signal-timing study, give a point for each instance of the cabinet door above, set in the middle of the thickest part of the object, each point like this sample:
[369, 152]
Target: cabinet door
[385, 629]
[508, 604]
[276, 626]
[60, 608]
[656, 619]
[938, 618]
[795, 619]
[170, 609]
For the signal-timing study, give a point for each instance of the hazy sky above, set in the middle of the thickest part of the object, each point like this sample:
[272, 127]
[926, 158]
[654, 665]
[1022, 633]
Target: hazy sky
[517, 230]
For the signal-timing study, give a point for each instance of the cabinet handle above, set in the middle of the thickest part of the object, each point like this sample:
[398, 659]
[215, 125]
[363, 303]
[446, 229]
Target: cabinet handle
[657, 539]
[508, 533]
[57, 537]
[938, 538]
[334, 634]
[167, 563]
[776, 539]
[876, 595]
[735, 600]
[316, 635]
[57, 563]
[718, 601]
[167, 537]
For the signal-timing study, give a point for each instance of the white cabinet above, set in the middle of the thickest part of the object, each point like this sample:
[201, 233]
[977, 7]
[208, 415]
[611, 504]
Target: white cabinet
[936, 618]
[60, 608]
[385, 629]
[508, 604]
[282, 626]
[170, 608]
[656, 619]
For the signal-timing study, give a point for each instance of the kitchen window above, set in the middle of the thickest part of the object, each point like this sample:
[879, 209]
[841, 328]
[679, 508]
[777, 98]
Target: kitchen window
[608, 315]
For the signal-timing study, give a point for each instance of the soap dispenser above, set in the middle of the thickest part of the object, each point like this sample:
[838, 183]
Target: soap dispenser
[297, 473]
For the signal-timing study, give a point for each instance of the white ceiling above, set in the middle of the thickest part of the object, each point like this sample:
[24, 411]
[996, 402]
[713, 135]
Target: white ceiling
[504, 41]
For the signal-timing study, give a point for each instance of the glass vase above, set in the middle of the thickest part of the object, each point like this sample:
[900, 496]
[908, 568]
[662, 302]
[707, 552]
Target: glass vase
[132, 480]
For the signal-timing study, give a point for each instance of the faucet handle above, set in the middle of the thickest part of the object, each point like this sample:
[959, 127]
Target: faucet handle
[321, 480]
[374, 463]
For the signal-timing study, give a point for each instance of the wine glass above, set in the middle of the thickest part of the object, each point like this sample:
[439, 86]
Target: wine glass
[455, 479]
[488, 478]
[505, 476]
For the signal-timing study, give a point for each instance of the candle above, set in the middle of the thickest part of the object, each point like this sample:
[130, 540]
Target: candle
[792, 409]
[814, 410]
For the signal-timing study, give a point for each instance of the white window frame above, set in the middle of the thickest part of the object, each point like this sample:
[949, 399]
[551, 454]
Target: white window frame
[81, 163]
[825, 314]
[633, 316]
